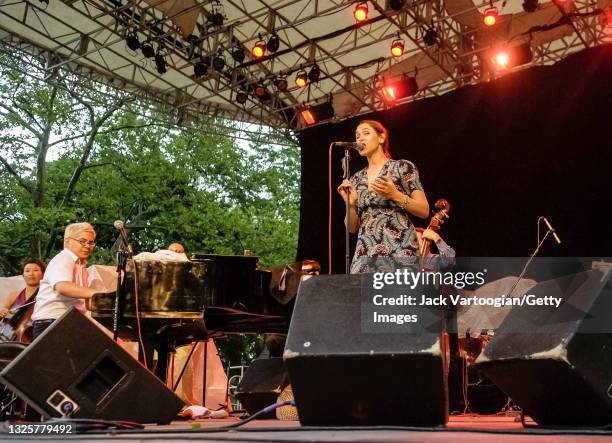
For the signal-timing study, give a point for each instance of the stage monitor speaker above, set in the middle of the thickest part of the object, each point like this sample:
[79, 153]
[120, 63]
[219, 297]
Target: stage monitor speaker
[555, 363]
[343, 374]
[74, 369]
[261, 385]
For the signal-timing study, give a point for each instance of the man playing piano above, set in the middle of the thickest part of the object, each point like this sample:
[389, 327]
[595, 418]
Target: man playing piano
[65, 283]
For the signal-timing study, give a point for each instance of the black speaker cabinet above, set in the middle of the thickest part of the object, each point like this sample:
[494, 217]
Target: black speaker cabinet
[74, 369]
[261, 385]
[343, 374]
[556, 363]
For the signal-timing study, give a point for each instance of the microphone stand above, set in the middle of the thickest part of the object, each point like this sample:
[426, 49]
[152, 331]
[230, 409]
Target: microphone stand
[537, 249]
[122, 258]
[347, 175]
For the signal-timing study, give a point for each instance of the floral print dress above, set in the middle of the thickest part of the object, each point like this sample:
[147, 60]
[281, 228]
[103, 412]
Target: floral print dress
[386, 233]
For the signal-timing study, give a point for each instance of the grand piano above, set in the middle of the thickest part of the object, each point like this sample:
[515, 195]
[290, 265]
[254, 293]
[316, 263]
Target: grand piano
[181, 302]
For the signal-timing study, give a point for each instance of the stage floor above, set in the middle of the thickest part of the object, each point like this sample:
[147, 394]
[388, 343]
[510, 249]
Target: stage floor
[472, 428]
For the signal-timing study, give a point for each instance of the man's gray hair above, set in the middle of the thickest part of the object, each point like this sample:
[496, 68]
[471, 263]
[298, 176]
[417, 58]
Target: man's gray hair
[74, 229]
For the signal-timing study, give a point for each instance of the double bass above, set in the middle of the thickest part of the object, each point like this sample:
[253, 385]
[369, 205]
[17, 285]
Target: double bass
[435, 223]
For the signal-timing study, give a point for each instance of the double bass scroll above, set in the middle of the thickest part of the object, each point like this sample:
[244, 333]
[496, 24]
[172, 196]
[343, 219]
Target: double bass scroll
[435, 223]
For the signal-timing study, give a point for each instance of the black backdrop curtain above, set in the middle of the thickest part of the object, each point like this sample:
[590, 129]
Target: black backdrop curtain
[536, 142]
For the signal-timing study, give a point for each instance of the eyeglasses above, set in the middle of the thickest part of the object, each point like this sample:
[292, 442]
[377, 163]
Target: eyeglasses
[84, 242]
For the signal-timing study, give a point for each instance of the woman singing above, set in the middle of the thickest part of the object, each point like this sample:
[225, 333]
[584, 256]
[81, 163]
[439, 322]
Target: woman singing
[382, 197]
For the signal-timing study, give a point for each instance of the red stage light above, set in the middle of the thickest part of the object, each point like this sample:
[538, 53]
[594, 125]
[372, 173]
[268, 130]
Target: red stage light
[510, 57]
[401, 88]
[501, 60]
[361, 12]
[397, 48]
[260, 90]
[259, 49]
[388, 93]
[308, 117]
[490, 17]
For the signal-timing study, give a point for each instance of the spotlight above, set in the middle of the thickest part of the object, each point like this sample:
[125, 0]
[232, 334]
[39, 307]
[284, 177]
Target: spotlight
[501, 60]
[308, 117]
[218, 63]
[238, 55]
[396, 5]
[261, 92]
[281, 83]
[274, 43]
[530, 5]
[361, 12]
[259, 49]
[301, 79]
[430, 37]
[397, 47]
[510, 57]
[490, 16]
[160, 63]
[132, 41]
[241, 98]
[314, 74]
[200, 68]
[405, 87]
[46, 2]
[217, 18]
[147, 49]
[318, 113]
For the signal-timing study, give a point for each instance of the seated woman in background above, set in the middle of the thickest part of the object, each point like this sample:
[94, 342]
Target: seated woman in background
[15, 323]
[33, 271]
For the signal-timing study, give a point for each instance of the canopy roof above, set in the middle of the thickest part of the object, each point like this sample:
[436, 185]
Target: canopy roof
[89, 37]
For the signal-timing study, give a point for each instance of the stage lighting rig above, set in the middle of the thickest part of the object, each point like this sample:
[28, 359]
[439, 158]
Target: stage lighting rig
[259, 49]
[217, 16]
[147, 49]
[301, 79]
[405, 87]
[490, 16]
[160, 63]
[200, 69]
[281, 83]
[238, 54]
[430, 37]
[314, 74]
[509, 57]
[361, 12]
[241, 98]
[318, 113]
[273, 43]
[218, 63]
[132, 41]
[397, 47]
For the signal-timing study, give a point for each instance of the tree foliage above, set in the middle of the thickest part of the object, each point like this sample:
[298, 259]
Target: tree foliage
[72, 150]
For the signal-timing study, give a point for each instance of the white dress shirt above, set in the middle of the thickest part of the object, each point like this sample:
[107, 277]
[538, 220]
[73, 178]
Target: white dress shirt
[50, 304]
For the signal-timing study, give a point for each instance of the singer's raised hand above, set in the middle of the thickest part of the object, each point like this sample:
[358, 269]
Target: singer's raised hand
[384, 187]
[352, 192]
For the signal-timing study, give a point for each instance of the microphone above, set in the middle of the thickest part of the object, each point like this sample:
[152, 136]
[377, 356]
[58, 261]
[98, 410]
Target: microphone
[350, 145]
[550, 228]
[120, 226]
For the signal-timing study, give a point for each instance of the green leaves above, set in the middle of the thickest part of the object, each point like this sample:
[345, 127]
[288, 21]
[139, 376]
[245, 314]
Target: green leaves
[201, 187]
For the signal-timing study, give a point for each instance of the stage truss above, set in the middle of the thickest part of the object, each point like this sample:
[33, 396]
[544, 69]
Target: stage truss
[88, 37]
